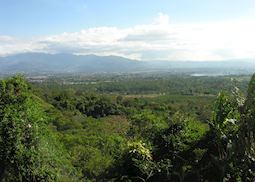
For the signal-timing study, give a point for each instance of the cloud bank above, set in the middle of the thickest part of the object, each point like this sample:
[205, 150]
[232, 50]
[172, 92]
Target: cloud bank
[160, 40]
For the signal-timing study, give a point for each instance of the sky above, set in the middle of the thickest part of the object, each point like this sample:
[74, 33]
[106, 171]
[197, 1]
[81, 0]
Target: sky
[194, 30]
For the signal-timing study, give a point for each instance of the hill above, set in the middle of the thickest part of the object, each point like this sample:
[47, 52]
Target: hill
[42, 63]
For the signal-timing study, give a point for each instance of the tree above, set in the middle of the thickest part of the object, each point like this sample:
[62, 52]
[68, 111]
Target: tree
[27, 151]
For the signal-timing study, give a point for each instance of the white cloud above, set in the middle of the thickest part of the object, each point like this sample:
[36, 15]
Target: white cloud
[162, 19]
[160, 40]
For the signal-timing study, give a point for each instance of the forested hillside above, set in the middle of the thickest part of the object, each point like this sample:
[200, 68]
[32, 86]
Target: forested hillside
[109, 132]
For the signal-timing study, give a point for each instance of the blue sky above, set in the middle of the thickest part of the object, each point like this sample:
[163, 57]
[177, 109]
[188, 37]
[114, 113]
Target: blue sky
[42, 17]
[163, 29]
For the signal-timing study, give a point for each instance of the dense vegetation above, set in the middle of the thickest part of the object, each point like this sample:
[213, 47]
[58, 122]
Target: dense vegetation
[128, 129]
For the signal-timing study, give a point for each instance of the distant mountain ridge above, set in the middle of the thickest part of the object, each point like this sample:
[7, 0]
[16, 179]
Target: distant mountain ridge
[64, 63]
[42, 63]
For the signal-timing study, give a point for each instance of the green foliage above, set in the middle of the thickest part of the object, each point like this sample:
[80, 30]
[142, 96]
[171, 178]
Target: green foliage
[136, 163]
[226, 108]
[162, 132]
[91, 161]
[228, 149]
[96, 106]
[146, 124]
[25, 152]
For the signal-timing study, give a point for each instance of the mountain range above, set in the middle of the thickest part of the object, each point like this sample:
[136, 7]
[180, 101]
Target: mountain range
[42, 63]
